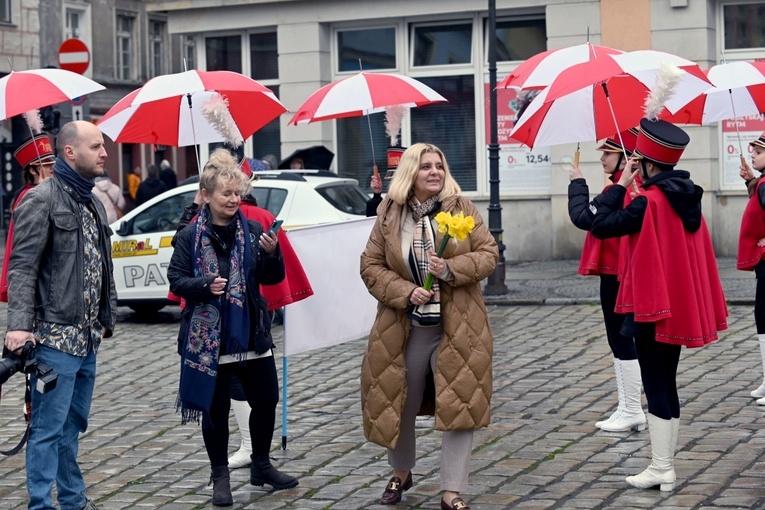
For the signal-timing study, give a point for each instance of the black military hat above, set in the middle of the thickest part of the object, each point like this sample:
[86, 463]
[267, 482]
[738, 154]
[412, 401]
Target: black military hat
[661, 141]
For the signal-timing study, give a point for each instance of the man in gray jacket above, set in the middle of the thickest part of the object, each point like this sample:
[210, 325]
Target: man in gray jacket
[62, 298]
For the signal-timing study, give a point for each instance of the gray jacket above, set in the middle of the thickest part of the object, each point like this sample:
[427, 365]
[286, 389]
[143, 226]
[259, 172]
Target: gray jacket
[46, 266]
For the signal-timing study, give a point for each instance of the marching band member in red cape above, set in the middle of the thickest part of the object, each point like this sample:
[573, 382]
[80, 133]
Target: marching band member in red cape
[601, 257]
[36, 157]
[751, 244]
[670, 285]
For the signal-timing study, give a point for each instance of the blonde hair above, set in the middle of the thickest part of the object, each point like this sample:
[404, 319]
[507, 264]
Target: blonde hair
[222, 167]
[406, 173]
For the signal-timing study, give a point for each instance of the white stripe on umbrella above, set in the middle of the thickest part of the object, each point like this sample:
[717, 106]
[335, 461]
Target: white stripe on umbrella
[21, 91]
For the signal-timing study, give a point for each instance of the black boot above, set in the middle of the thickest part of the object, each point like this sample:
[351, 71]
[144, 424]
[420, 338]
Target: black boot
[221, 487]
[261, 472]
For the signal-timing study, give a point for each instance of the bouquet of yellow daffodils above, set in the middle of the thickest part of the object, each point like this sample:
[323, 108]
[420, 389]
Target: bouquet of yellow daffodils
[458, 227]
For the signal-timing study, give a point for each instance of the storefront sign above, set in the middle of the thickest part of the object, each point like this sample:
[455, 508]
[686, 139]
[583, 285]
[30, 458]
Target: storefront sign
[734, 142]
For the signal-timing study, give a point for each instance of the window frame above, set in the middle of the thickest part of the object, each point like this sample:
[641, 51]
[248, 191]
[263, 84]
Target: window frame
[132, 40]
[357, 28]
[85, 33]
[412, 27]
[162, 39]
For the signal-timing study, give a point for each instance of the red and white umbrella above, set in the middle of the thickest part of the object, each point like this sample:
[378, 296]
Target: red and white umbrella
[170, 109]
[596, 99]
[362, 94]
[22, 91]
[540, 70]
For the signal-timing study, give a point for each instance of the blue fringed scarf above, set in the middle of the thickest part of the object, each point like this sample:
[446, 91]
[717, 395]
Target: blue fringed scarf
[82, 187]
[199, 366]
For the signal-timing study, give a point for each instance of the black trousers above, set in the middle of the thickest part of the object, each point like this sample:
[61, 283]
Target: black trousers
[759, 298]
[658, 368]
[623, 347]
[261, 387]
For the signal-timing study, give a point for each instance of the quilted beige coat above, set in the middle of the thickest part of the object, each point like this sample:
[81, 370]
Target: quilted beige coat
[463, 374]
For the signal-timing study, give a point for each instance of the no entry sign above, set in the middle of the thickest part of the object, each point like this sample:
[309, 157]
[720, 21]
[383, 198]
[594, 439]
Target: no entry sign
[73, 55]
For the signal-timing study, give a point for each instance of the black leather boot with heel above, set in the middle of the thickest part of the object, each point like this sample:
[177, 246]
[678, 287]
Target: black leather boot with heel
[262, 472]
[221, 486]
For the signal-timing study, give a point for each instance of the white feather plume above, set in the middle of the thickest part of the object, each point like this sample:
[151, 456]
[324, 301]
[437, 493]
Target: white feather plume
[215, 111]
[667, 79]
[393, 116]
[34, 120]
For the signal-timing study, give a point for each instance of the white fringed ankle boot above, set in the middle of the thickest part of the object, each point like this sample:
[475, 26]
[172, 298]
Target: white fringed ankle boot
[619, 393]
[661, 472]
[632, 417]
[760, 392]
[241, 458]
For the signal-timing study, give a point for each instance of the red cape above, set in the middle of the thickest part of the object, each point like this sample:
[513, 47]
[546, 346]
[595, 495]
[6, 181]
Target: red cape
[752, 230]
[295, 285]
[670, 277]
[9, 245]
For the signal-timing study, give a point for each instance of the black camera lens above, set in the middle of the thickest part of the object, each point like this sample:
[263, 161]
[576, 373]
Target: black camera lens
[9, 366]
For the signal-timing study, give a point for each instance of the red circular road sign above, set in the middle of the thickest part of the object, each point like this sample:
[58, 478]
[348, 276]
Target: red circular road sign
[73, 55]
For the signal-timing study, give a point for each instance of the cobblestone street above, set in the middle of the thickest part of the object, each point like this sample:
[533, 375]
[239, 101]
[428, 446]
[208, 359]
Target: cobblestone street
[553, 380]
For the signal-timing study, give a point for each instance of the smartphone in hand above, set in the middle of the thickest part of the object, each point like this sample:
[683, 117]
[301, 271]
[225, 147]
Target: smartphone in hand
[274, 228]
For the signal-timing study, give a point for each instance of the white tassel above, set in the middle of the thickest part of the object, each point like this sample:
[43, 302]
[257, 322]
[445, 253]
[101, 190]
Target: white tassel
[667, 78]
[34, 120]
[216, 113]
[393, 116]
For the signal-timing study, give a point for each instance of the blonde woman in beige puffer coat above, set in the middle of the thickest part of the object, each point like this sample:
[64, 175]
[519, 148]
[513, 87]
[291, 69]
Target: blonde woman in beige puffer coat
[429, 352]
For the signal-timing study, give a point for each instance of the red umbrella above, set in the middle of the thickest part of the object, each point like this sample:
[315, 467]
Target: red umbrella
[541, 70]
[21, 91]
[362, 94]
[191, 108]
[596, 99]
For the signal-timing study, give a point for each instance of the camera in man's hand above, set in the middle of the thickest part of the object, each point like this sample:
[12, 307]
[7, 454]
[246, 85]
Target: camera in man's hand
[27, 363]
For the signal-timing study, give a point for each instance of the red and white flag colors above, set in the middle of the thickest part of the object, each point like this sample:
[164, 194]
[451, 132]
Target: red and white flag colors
[362, 94]
[21, 91]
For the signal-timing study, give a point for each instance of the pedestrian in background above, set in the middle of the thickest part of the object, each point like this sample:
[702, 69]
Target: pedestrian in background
[416, 359]
[602, 258]
[219, 262]
[670, 285]
[110, 196]
[751, 244]
[151, 187]
[134, 180]
[167, 174]
[64, 300]
[35, 155]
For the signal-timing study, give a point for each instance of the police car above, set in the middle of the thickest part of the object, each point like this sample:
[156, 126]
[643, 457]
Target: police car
[141, 248]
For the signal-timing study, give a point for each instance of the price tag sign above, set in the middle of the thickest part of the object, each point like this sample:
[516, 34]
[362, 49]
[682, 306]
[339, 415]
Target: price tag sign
[734, 142]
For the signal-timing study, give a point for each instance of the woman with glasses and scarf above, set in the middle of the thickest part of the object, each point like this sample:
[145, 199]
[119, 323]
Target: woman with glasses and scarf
[429, 351]
[219, 262]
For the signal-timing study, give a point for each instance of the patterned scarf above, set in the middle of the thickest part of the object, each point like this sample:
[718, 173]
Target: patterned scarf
[199, 366]
[423, 242]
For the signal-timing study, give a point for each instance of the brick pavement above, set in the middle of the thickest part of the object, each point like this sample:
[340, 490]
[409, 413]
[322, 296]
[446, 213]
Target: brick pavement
[553, 380]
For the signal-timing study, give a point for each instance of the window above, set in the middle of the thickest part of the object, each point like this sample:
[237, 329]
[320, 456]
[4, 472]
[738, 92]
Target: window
[163, 216]
[375, 47]
[264, 58]
[519, 38]
[73, 22]
[5, 11]
[443, 44]
[157, 47]
[224, 53]
[76, 19]
[271, 199]
[743, 26]
[349, 199]
[189, 52]
[125, 65]
[451, 126]
[268, 139]
[355, 147]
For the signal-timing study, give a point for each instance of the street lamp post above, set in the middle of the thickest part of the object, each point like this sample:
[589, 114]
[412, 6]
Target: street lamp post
[496, 282]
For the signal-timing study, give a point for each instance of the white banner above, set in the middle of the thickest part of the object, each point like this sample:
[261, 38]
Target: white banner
[341, 308]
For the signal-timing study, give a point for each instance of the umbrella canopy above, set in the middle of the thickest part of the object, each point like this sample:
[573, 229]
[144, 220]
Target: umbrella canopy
[317, 157]
[362, 94]
[598, 98]
[540, 70]
[738, 91]
[170, 109]
[21, 91]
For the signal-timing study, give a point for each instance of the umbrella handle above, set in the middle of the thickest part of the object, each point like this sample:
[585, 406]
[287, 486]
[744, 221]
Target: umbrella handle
[576, 158]
[375, 172]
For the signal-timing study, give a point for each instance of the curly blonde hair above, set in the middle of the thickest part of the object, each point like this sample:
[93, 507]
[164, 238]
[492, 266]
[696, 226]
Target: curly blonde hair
[222, 167]
[406, 173]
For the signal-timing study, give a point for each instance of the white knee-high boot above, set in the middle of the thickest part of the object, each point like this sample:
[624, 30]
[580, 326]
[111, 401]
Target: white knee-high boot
[661, 472]
[760, 392]
[619, 393]
[632, 417]
[241, 458]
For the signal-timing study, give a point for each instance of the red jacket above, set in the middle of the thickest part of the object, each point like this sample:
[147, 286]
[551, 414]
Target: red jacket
[752, 230]
[670, 277]
[9, 245]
